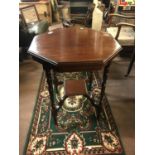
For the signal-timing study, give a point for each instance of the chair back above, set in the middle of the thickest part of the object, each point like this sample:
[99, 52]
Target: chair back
[114, 19]
[121, 27]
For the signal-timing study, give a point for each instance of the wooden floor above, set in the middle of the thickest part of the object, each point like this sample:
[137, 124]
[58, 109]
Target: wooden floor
[119, 90]
[29, 77]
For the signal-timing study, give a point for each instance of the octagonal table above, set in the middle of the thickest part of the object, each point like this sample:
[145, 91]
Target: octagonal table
[73, 49]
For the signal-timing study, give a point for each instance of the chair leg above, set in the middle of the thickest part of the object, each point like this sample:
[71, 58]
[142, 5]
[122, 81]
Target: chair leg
[131, 64]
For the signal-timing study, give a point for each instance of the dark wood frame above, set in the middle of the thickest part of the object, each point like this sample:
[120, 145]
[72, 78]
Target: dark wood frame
[110, 16]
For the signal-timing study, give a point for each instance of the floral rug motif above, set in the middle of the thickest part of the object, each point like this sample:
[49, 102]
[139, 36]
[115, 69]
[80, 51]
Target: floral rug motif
[78, 131]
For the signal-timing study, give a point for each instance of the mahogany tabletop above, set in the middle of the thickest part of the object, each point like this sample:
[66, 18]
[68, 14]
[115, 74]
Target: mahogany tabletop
[74, 47]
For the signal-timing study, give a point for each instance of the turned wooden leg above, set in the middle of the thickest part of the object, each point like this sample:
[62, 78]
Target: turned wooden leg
[90, 76]
[50, 89]
[103, 86]
[55, 82]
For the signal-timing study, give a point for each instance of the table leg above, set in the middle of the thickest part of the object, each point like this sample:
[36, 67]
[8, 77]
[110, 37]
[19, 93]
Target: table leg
[103, 86]
[55, 81]
[90, 76]
[50, 89]
[131, 64]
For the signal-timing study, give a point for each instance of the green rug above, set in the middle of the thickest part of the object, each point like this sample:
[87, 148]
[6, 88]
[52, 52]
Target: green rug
[78, 131]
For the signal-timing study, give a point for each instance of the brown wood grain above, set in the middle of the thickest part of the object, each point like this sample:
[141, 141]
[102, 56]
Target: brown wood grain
[76, 47]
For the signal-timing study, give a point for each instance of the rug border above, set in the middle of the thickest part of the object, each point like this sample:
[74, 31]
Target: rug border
[33, 113]
[118, 131]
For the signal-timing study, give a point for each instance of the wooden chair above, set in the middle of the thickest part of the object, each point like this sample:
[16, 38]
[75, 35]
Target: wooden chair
[32, 21]
[122, 28]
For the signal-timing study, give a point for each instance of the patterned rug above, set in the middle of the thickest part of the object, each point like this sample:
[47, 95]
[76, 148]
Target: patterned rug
[78, 131]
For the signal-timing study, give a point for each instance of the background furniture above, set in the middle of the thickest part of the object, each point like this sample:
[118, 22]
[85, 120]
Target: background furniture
[122, 28]
[43, 9]
[68, 17]
[86, 19]
[25, 39]
[79, 8]
[29, 25]
[31, 19]
[130, 64]
[62, 13]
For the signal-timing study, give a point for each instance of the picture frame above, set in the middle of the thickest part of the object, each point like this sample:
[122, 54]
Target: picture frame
[29, 14]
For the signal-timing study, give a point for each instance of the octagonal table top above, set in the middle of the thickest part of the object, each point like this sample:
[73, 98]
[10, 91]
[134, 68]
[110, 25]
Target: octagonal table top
[74, 46]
